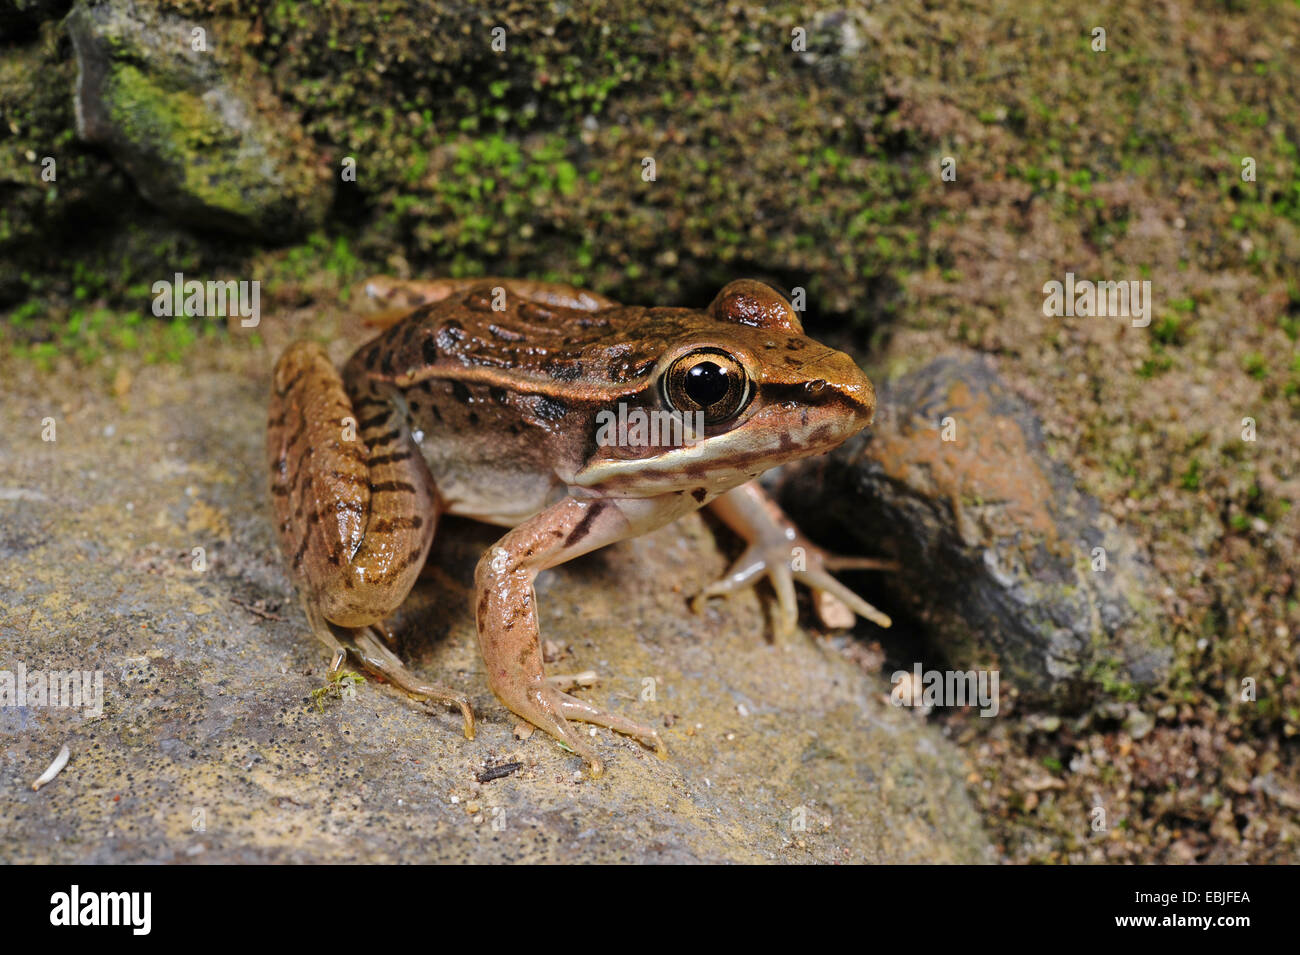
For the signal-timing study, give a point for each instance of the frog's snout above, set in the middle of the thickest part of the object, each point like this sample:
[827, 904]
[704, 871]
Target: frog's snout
[842, 382]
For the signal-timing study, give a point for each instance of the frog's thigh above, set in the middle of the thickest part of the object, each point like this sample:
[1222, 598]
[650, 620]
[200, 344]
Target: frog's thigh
[507, 619]
[409, 293]
[355, 504]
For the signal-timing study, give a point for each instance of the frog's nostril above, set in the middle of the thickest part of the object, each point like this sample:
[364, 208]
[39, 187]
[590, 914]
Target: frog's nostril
[815, 390]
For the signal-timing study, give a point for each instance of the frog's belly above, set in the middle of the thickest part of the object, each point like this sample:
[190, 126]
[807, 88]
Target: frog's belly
[476, 478]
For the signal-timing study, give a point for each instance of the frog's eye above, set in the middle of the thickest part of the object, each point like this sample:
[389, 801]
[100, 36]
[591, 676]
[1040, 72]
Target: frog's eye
[707, 380]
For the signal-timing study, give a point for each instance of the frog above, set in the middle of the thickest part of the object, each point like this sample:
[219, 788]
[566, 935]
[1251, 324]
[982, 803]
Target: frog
[507, 401]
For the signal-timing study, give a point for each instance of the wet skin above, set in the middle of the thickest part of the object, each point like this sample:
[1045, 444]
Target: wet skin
[492, 399]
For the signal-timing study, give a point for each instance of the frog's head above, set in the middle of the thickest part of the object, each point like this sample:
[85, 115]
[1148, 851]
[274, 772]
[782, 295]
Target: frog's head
[757, 390]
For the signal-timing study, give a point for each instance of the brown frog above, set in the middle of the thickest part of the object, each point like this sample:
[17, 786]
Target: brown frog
[568, 418]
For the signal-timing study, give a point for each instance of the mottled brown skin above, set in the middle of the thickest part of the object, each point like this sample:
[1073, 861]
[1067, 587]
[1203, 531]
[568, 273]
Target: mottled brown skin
[484, 400]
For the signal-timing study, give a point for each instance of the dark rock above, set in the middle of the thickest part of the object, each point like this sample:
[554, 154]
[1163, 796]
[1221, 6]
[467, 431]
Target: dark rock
[997, 545]
[199, 131]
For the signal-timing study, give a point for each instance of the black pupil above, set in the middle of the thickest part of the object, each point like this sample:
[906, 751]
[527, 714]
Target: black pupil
[706, 383]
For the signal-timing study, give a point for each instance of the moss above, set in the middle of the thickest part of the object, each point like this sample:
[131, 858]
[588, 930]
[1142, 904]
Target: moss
[1255, 365]
[184, 132]
[341, 685]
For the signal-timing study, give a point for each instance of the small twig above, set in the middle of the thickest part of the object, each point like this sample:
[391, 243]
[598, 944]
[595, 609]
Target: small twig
[257, 611]
[497, 772]
[55, 768]
[862, 563]
[339, 656]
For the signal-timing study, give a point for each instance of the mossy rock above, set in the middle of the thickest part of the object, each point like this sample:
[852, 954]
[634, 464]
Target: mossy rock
[199, 130]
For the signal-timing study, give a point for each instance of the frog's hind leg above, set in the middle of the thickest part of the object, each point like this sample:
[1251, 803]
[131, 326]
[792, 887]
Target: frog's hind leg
[377, 658]
[355, 510]
[366, 645]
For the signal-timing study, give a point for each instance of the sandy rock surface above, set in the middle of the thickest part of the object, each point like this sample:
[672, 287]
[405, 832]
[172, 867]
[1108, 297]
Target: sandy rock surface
[210, 746]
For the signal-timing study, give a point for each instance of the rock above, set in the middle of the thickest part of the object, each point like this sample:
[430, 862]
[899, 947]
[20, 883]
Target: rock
[1138, 723]
[1045, 722]
[212, 748]
[1002, 557]
[476, 160]
[835, 41]
[199, 131]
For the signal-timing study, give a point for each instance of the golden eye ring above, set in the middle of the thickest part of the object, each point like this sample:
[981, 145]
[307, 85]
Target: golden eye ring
[707, 380]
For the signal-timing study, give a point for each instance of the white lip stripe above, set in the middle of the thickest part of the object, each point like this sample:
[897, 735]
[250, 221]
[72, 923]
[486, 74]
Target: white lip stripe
[665, 462]
[671, 463]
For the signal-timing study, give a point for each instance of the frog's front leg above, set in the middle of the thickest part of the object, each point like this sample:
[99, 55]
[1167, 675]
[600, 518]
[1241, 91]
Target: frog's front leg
[506, 612]
[355, 510]
[777, 549]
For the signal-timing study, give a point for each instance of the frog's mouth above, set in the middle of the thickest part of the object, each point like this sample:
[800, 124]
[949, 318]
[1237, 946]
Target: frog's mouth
[769, 433]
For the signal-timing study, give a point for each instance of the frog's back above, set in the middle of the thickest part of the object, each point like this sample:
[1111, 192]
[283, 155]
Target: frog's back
[546, 348]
